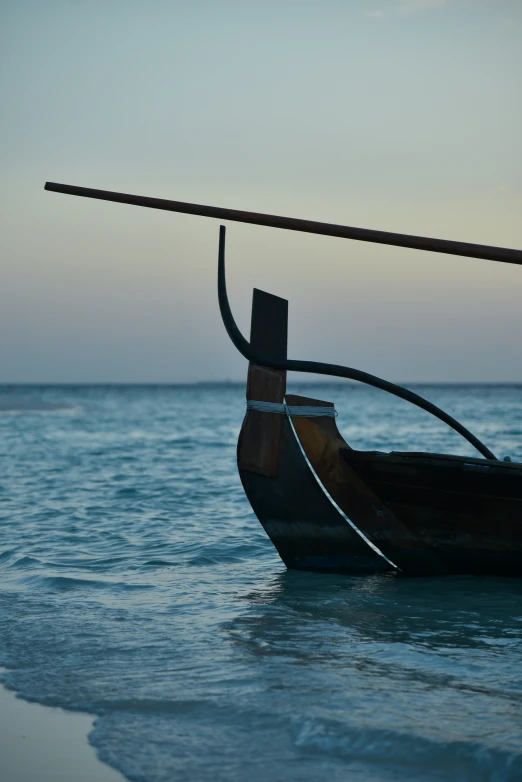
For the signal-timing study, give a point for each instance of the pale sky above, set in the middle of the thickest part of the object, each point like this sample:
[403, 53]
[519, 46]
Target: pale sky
[401, 116]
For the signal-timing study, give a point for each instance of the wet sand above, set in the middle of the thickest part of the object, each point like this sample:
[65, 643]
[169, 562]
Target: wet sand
[41, 744]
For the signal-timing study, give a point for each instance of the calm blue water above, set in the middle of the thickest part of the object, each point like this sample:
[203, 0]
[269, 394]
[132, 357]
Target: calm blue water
[136, 584]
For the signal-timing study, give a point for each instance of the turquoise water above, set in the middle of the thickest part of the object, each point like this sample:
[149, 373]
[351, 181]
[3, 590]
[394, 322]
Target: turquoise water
[136, 584]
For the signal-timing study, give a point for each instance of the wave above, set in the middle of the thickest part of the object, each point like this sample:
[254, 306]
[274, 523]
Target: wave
[69, 583]
[409, 754]
[21, 404]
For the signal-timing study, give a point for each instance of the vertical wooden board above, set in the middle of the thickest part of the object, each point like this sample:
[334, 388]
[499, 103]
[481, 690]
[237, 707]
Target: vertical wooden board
[258, 447]
[269, 324]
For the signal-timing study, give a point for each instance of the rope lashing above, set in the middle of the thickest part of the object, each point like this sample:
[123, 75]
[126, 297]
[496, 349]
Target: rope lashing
[305, 411]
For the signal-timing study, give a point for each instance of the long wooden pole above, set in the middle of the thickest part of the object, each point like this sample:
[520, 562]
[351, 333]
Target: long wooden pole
[486, 252]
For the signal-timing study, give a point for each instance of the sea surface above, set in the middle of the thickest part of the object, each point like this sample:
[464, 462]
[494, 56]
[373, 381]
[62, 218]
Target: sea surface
[136, 584]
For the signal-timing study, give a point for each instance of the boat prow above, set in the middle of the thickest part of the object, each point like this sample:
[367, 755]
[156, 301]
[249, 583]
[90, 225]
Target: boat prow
[327, 507]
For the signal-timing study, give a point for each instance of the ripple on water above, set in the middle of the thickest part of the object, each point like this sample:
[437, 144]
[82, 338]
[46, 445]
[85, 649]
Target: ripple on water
[137, 585]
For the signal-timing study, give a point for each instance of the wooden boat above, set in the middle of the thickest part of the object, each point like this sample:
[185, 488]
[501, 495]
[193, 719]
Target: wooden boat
[328, 507]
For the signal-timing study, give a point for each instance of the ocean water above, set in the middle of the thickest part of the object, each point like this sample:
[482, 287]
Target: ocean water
[136, 584]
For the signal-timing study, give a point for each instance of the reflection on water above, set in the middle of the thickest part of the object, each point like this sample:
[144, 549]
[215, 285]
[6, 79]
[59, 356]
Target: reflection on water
[137, 585]
[434, 613]
[390, 669]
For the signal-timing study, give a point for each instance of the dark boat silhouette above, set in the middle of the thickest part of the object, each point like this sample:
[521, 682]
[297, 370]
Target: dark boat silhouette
[326, 506]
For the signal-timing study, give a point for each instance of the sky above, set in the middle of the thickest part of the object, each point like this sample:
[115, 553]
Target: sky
[394, 115]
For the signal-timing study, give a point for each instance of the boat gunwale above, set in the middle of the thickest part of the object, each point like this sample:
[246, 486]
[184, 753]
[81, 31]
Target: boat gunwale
[425, 458]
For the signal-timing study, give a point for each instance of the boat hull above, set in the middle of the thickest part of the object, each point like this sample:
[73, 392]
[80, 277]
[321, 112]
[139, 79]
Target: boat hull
[430, 514]
[329, 508]
[467, 510]
[307, 530]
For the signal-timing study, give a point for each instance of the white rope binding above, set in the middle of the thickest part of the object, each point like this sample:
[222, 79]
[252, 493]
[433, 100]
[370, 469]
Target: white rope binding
[305, 411]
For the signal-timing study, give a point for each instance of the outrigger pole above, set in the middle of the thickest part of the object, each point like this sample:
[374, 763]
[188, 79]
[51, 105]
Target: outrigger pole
[487, 252]
[326, 229]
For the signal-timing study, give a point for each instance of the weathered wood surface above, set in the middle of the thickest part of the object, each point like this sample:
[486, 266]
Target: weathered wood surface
[258, 448]
[428, 513]
[304, 526]
[306, 529]
[468, 510]
[322, 443]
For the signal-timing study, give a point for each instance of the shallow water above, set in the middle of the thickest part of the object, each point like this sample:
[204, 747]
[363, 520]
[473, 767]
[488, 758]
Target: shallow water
[138, 585]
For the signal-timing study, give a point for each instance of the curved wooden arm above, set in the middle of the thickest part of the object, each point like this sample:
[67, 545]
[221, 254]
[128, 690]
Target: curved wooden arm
[334, 370]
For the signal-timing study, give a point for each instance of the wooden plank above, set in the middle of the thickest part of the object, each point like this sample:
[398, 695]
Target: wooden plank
[487, 510]
[469, 511]
[477, 478]
[258, 447]
[322, 442]
[305, 528]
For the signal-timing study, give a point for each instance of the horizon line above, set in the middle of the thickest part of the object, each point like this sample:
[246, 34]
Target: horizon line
[169, 383]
